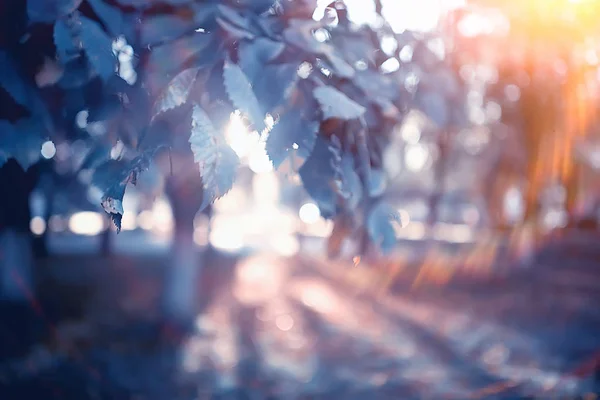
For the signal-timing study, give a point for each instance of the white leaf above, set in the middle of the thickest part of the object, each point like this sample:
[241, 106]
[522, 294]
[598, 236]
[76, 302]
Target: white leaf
[239, 90]
[217, 161]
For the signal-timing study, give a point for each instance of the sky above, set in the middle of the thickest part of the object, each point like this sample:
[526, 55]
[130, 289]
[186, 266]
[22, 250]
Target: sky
[401, 14]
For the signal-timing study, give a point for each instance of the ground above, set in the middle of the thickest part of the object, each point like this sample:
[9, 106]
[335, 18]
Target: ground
[276, 328]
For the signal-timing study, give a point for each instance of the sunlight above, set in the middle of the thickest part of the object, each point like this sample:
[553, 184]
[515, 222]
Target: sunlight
[86, 223]
[258, 279]
[37, 226]
[401, 14]
[239, 137]
[309, 213]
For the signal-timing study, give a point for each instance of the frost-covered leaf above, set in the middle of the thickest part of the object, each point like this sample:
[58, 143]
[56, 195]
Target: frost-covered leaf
[12, 82]
[66, 50]
[217, 161]
[292, 131]
[176, 93]
[98, 47]
[317, 175]
[50, 10]
[336, 104]
[380, 228]
[239, 90]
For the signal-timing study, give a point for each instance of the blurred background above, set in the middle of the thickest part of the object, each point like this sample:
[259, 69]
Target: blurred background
[492, 290]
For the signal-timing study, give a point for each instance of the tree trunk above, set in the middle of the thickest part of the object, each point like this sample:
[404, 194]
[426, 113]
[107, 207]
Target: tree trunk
[180, 298]
[439, 180]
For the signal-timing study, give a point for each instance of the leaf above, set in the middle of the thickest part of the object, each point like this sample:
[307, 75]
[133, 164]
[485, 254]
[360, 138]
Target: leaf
[163, 28]
[377, 183]
[218, 162]
[317, 175]
[292, 130]
[66, 50]
[176, 93]
[275, 84]
[171, 56]
[336, 104]
[12, 82]
[98, 47]
[380, 228]
[257, 6]
[254, 55]
[112, 178]
[50, 10]
[110, 16]
[21, 141]
[239, 90]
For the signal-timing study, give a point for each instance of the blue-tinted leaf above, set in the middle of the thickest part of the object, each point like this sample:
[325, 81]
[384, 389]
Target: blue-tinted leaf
[50, 10]
[12, 82]
[164, 28]
[339, 65]
[239, 90]
[171, 56]
[21, 141]
[300, 33]
[254, 55]
[377, 183]
[380, 228]
[218, 162]
[98, 47]
[234, 17]
[317, 175]
[275, 85]
[257, 6]
[110, 16]
[112, 178]
[336, 104]
[233, 30]
[176, 92]
[291, 131]
[66, 50]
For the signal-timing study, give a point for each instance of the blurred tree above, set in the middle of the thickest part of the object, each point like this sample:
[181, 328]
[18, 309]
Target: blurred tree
[160, 79]
[545, 83]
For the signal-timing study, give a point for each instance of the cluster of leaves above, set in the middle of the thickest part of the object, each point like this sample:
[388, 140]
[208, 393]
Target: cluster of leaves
[321, 83]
